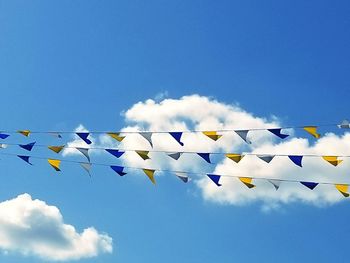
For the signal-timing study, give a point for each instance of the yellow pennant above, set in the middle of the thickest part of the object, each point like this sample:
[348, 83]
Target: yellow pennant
[212, 135]
[234, 157]
[150, 174]
[333, 160]
[116, 136]
[247, 181]
[55, 164]
[24, 132]
[343, 189]
[313, 131]
[143, 154]
[56, 149]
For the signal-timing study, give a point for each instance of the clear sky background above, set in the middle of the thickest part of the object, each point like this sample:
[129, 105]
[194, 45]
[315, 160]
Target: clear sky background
[65, 63]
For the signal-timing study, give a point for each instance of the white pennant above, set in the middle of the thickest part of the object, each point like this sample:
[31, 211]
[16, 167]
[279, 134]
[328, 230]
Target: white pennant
[148, 137]
[183, 177]
[275, 183]
[175, 156]
[243, 134]
[85, 152]
[344, 125]
[266, 158]
[86, 167]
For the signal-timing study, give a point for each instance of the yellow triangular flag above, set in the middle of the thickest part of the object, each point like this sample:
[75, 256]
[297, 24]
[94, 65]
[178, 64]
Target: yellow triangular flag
[343, 189]
[150, 174]
[247, 181]
[116, 136]
[56, 149]
[143, 154]
[234, 157]
[313, 131]
[333, 160]
[212, 135]
[24, 132]
[55, 164]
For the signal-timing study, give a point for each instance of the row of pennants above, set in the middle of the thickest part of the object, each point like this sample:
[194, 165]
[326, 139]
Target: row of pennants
[214, 135]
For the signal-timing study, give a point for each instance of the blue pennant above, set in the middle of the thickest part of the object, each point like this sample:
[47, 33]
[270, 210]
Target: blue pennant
[205, 156]
[278, 133]
[3, 136]
[28, 146]
[296, 159]
[84, 136]
[115, 153]
[177, 137]
[118, 169]
[215, 178]
[25, 158]
[310, 185]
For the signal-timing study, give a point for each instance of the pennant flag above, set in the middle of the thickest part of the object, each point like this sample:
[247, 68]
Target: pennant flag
[84, 136]
[182, 176]
[310, 185]
[177, 137]
[343, 189]
[266, 158]
[275, 183]
[212, 135]
[143, 154]
[175, 156]
[55, 134]
[234, 157]
[116, 136]
[278, 133]
[313, 131]
[118, 169]
[205, 156]
[150, 174]
[56, 149]
[215, 178]
[115, 153]
[86, 167]
[28, 146]
[3, 136]
[247, 181]
[333, 160]
[243, 134]
[85, 152]
[25, 158]
[148, 137]
[296, 159]
[344, 125]
[3, 146]
[55, 164]
[24, 132]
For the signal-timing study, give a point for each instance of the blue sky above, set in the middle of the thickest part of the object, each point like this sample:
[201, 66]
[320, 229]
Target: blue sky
[65, 63]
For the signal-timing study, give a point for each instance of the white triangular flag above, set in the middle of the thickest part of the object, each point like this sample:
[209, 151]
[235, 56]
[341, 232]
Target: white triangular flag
[243, 134]
[275, 183]
[85, 152]
[266, 158]
[148, 137]
[86, 167]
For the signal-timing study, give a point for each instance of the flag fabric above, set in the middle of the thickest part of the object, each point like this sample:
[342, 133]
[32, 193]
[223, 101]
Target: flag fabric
[86, 167]
[25, 133]
[150, 175]
[84, 151]
[56, 149]
[296, 159]
[243, 134]
[84, 136]
[266, 158]
[3, 136]
[343, 189]
[275, 183]
[55, 164]
[115, 153]
[333, 160]
[278, 133]
[177, 137]
[205, 156]
[312, 130]
[247, 181]
[310, 185]
[28, 146]
[116, 136]
[212, 135]
[175, 156]
[25, 158]
[215, 178]
[235, 157]
[182, 176]
[143, 154]
[148, 137]
[344, 125]
[118, 169]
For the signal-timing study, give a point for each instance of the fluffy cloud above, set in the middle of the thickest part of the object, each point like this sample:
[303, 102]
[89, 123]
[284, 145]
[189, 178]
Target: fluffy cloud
[32, 227]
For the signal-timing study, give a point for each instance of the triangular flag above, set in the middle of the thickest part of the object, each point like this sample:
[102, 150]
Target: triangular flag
[266, 158]
[212, 135]
[28, 146]
[296, 159]
[116, 136]
[84, 136]
[3, 146]
[182, 176]
[205, 156]
[310, 185]
[344, 125]
[243, 134]
[313, 131]
[86, 167]
[84, 151]
[175, 156]
[143, 154]
[333, 160]
[56, 149]
[234, 157]
[115, 152]
[24, 132]
[148, 137]
[150, 174]
[275, 183]
[215, 178]
[118, 169]
[177, 137]
[278, 133]
[55, 134]
[25, 158]
[3, 136]
[55, 164]
[247, 181]
[343, 189]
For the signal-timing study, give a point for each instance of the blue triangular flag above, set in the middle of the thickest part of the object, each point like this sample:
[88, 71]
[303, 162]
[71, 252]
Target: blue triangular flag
[215, 178]
[177, 137]
[28, 146]
[296, 159]
[310, 185]
[278, 133]
[205, 156]
[84, 136]
[115, 153]
[25, 158]
[118, 169]
[3, 136]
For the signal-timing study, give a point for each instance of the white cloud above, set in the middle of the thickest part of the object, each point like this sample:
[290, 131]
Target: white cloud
[32, 227]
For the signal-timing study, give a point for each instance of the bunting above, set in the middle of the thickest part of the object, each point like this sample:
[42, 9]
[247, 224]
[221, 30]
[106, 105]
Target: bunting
[247, 181]
[85, 152]
[148, 137]
[175, 156]
[343, 189]
[266, 158]
[56, 149]
[118, 169]
[333, 160]
[243, 134]
[86, 167]
[143, 154]
[296, 159]
[3, 136]
[84, 136]
[115, 153]
[275, 183]
[310, 185]
[182, 176]
[55, 164]
[205, 156]
[235, 157]
[344, 125]
[177, 137]
[278, 133]
[28, 146]
[215, 178]
[25, 158]
[25, 133]
[150, 174]
[313, 131]
[116, 136]
[3, 146]
[212, 135]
